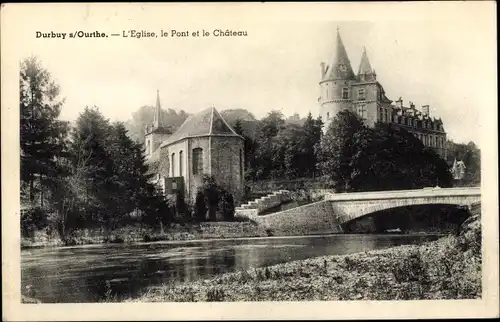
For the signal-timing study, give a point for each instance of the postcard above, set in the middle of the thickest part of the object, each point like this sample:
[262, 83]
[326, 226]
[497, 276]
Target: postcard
[249, 161]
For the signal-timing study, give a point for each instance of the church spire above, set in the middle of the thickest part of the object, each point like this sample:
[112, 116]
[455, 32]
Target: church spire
[340, 67]
[157, 111]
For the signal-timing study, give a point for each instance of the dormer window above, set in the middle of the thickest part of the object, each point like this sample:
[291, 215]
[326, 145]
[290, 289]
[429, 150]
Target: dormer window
[361, 94]
[345, 93]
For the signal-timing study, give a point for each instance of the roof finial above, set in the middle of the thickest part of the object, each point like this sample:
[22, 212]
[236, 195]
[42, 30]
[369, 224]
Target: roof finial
[338, 29]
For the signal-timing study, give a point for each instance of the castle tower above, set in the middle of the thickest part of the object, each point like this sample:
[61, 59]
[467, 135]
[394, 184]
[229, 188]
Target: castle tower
[365, 71]
[336, 80]
[156, 132]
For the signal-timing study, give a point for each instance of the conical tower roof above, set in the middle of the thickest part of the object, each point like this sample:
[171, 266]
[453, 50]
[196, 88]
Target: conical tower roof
[364, 66]
[340, 66]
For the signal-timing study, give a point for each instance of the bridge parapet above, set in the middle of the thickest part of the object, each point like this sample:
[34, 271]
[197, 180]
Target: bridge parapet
[404, 194]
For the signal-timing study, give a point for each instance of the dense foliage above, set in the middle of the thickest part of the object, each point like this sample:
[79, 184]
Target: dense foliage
[144, 115]
[276, 147]
[471, 156]
[354, 157]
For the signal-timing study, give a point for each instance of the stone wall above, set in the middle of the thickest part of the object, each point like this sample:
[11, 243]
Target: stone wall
[194, 181]
[315, 218]
[226, 165]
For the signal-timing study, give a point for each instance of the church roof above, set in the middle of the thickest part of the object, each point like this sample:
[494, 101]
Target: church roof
[205, 123]
[340, 67]
[364, 65]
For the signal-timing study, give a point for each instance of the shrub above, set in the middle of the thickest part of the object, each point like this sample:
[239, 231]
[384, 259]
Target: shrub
[200, 206]
[215, 295]
[227, 206]
[33, 219]
[410, 269]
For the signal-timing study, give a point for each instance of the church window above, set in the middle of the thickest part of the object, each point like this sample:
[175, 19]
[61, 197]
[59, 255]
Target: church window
[173, 164]
[387, 115]
[327, 115]
[181, 162]
[381, 115]
[197, 161]
[361, 94]
[345, 93]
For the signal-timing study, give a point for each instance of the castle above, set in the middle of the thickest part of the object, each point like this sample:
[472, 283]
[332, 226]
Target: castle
[341, 89]
[204, 144]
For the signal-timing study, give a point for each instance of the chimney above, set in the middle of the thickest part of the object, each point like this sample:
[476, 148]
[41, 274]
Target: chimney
[322, 70]
[399, 103]
[425, 110]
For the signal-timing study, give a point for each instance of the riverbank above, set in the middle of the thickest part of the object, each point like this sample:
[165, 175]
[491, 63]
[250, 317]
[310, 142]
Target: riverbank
[449, 268]
[136, 234]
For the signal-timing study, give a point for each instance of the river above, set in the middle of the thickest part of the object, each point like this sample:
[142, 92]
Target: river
[86, 273]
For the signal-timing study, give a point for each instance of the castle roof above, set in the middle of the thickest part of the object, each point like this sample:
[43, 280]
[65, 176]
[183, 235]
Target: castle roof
[340, 67]
[365, 66]
[205, 123]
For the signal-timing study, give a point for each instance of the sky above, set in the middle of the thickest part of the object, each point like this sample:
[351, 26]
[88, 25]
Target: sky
[418, 53]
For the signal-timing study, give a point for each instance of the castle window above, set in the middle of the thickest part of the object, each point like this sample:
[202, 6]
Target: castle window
[173, 164]
[197, 161]
[181, 161]
[345, 93]
[361, 94]
[362, 111]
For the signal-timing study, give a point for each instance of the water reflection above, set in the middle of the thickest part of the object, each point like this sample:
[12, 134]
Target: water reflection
[88, 274]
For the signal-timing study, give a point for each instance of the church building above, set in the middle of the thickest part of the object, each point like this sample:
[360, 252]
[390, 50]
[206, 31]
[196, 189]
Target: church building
[361, 93]
[204, 144]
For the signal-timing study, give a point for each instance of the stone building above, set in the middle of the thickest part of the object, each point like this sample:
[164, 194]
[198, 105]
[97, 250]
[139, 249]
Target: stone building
[361, 93]
[204, 144]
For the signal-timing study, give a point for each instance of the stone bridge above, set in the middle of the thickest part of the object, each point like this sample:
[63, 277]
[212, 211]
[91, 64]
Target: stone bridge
[350, 206]
[335, 210]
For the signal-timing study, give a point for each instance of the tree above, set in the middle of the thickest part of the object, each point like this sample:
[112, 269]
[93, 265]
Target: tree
[356, 158]
[272, 124]
[42, 135]
[90, 140]
[232, 115]
[342, 149]
[238, 127]
[470, 154]
[144, 116]
[312, 138]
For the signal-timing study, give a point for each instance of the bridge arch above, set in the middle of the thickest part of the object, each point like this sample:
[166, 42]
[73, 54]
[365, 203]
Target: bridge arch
[360, 205]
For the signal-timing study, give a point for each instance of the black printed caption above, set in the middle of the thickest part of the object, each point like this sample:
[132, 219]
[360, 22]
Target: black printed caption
[73, 34]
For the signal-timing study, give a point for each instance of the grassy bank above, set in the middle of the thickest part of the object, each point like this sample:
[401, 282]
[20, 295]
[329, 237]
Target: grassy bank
[132, 234]
[449, 268]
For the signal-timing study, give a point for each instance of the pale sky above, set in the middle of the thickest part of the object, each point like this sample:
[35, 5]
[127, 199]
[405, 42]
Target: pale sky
[424, 56]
